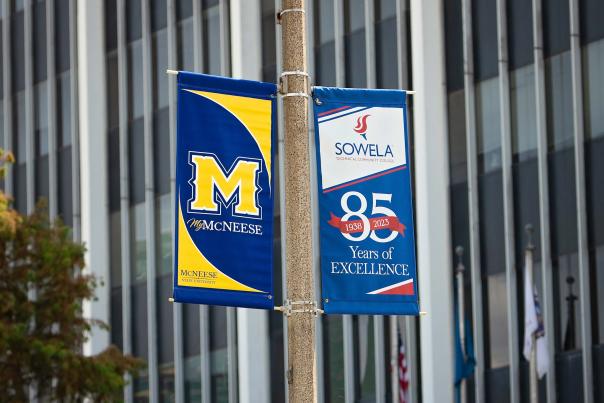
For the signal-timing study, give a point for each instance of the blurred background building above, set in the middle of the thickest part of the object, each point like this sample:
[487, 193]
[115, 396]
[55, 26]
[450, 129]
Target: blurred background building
[507, 126]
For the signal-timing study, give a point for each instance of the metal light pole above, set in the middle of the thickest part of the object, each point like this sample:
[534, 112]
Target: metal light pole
[301, 304]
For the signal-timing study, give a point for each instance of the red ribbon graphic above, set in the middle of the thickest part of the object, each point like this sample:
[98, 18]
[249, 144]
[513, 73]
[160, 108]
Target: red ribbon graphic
[354, 226]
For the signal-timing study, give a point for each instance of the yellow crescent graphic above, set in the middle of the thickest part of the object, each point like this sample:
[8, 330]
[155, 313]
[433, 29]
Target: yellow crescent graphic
[195, 270]
[253, 113]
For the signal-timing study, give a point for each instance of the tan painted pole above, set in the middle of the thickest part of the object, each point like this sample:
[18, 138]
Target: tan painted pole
[301, 325]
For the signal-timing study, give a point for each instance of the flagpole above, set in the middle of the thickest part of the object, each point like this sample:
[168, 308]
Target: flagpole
[459, 273]
[533, 361]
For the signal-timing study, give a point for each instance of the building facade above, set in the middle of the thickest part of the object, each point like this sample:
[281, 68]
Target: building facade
[507, 126]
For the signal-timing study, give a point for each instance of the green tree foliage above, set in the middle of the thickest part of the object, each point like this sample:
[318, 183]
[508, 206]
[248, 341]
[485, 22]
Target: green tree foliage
[42, 326]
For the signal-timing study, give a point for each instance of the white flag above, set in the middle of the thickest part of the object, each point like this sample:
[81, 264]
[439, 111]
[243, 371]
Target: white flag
[532, 320]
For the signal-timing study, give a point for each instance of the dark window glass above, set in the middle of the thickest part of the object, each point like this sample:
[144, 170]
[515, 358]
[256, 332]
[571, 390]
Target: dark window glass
[526, 209]
[113, 116]
[65, 186]
[165, 324]
[41, 118]
[19, 127]
[164, 222]
[333, 361]
[62, 24]
[115, 247]
[184, 9]
[556, 27]
[558, 101]
[113, 158]
[110, 24]
[488, 129]
[457, 137]
[160, 64]
[136, 161]
[354, 41]
[522, 111]
[591, 13]
[190, 331]
[593, 87]
[1, 63]
[186, 47]
[41, 180]
[133, 20]
[269, 56]
[324, 43]
[210, 3]
[159, 13]
[39, 22]
[64, 108]
[386, 38]
[138, 243]
[212, 40]
[520, 33]
[484, 35]
[161, 150]
[454, 45]
[364, 357]
[17, 53]
[193, 376]
[218, 354]
[490, 200]
[135, 80]
[139, 319]
[20, 189]
[117, 335]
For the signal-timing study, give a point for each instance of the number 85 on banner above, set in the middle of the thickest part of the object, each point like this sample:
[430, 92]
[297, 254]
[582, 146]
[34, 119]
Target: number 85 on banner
[364, 226]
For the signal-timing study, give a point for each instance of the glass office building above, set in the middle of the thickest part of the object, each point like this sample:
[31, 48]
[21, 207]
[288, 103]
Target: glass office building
[507, 127]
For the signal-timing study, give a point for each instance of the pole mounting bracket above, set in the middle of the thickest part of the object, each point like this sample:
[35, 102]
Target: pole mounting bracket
[281, 13]
[283, 85]
[290, 307]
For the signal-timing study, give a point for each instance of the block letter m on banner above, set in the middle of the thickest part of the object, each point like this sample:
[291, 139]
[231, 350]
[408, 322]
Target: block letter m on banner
[215, 187]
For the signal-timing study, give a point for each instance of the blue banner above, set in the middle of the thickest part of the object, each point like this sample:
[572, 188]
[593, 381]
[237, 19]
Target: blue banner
[365, 203]
[224, 191]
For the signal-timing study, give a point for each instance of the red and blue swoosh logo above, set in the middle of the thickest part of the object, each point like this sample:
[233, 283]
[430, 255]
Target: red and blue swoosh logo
[361, 126]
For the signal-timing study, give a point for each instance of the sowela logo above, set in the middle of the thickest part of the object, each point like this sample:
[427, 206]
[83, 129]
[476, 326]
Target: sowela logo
[215, 187]
[361, 126]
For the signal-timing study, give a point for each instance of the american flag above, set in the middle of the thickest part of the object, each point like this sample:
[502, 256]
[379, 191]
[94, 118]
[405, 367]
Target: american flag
[403, 373]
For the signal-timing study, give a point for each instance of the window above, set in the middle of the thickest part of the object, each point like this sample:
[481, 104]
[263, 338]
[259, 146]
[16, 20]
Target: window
[354, 41]
[135, 80]
[186, 46]
[488, 129]
[64, 109]
[325, 73]
[593, 86]
[523, 115]
[386, 40]
[212, 40]
[559, 101]
[62, 24]
[333, 358]
[160, 64]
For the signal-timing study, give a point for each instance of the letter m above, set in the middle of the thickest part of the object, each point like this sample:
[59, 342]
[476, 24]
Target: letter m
[214, 186]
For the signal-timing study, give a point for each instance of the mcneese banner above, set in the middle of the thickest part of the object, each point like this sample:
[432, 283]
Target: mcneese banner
[224, 191]
[365, 205]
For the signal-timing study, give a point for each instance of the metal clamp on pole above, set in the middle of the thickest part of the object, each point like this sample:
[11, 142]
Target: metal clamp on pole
[292, 307]
[281, 13]
[284, 87]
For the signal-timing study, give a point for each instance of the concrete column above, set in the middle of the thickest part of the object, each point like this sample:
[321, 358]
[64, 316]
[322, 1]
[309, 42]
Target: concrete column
[431, 159]
[93, 156]
[252, 324]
